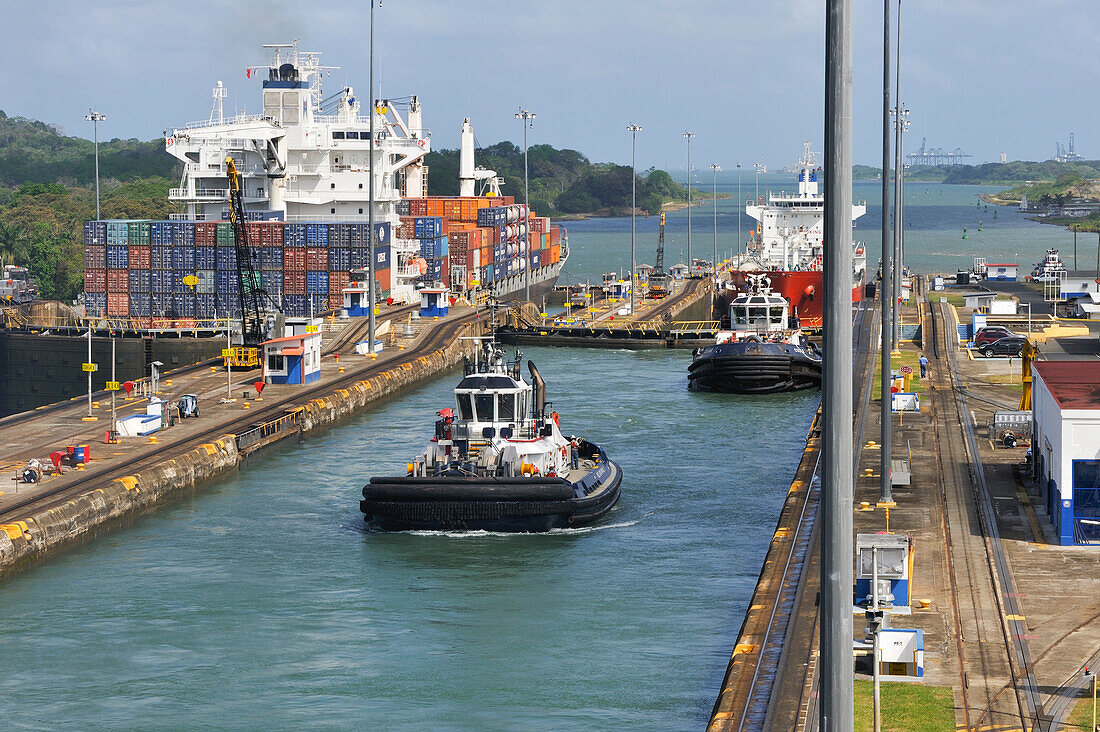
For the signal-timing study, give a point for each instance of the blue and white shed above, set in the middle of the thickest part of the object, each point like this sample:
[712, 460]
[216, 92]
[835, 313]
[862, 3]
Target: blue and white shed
[433, 302]
[293, 359]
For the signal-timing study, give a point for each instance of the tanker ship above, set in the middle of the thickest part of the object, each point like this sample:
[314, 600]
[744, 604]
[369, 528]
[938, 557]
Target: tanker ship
[307, 165]
[788, 246]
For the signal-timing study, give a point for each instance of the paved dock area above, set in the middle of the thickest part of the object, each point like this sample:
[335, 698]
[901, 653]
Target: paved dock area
[224, 406]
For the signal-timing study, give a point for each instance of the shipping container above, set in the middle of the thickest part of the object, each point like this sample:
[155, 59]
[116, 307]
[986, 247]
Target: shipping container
[207, 281]
[294, 281]
[294, 259]
[95, 257]
[95, 280]
[118, 256]
[160, 257]
[140, 256]
[272, 283]
[358, 257]
[337, 281]
[183, 233]
[407, 228]
[206, 258]
[205, 305]
[95, 233]
[95, 303]
[160, 304]
[183, 258]
[294, 235]
[225, 236]
[160, 233]
[118, 280]
[183, 305]
[227, 259]
[316, 235]
[318, 303]
[227, 283]
[118, 304]
[428, 227]
[176, 278]
[417, 207]
[336, 301]
[497, 216]
[271, 258]
[316, 258]
[382, 258]
[117, 232]
[140, 305]
[138, 235]
[383, 234]
[316, 282]
[206, 234]
[160, 280]
[339, 259]
[140, 281]
[382, 277]
[339, 235]
[403, 207]
[295, 305]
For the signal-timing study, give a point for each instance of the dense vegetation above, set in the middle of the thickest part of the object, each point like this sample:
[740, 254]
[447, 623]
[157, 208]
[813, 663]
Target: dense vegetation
[560, 181]
[1017, 171]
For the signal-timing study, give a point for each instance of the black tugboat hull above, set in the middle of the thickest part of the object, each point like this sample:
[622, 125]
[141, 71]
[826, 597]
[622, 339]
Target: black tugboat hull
[461, 503]
[753, 368]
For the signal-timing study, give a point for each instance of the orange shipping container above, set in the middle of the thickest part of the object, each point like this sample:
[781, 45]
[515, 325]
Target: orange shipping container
[118, 280]
[118, 303]
[337, 281]
[435, 207]
[335, 302]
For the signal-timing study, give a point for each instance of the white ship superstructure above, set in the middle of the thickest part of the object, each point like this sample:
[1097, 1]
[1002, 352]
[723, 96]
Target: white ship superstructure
[790, 232]
[306, 157]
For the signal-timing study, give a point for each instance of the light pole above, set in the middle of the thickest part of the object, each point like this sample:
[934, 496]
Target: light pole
[633, 130]
[901, 123]
[887, 295]
[715, 167]
[526, 116]
[370, 196]
[95, 118]
[90, 416]
[688, 136]
[740, 205]
[758, 167]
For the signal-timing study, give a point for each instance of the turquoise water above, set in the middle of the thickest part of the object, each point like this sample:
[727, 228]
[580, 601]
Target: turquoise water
[263, 603]
[934, 219]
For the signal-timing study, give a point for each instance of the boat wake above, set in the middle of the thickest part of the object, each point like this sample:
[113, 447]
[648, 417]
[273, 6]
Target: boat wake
[479, 533]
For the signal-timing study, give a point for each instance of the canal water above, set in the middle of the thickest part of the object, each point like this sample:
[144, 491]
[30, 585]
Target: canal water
[262, 602]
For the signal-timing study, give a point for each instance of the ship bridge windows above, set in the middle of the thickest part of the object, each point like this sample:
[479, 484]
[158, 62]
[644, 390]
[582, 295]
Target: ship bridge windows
[337, 134]
[506, 408]
[353, 135]
[465, 408]
[483, 407]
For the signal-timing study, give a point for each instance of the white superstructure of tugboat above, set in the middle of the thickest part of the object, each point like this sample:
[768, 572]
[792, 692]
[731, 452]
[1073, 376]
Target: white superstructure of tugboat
[498, 461]
[761, 353]
[1050, 269]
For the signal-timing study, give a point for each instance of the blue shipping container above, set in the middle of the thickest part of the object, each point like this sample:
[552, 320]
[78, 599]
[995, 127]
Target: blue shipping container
[227, 259]
[95, 303]
[317, 282]
[95, 233]
[294, 235]
[271, 258]
[316, 235]
[272, 282]
[161, 257]
[118, 256]
[428, 227]
[161, 304]
[160, 233]
[204, 306]
[206, 258]
[227, 282]
[359, 257]
[381, 258]
[493, 216]
[183, 233]
[140, 305]
[183, 305]
[339, 235]
[183, 258]
[160, 280]
[140, 281]
[295, 306]
[339, 259]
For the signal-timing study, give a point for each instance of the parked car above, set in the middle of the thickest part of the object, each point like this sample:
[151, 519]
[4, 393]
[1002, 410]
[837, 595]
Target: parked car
[1012, 345]
[991, 333]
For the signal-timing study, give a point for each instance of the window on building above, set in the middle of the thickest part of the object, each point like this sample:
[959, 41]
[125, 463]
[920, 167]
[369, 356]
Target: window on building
[483, 405]
[360, 210]
[275, 362]
[337, 135]
[465, 411]
[353, 135]
[332, 186]
[360, 188]
[1086, 488]
[332, 210]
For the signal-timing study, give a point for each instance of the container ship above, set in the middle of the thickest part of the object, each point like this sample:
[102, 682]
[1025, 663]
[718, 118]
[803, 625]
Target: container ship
[306, 163]
[787, 245]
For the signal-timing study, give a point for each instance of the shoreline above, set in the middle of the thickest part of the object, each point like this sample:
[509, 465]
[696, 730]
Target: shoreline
[609, 213]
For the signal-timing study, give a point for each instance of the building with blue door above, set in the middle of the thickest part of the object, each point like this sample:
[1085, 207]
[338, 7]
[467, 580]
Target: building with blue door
[357, 300]
[292, 359]
[1065, 446]
[434, 302]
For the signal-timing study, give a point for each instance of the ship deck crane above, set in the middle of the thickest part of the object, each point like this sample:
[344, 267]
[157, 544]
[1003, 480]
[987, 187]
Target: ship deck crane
[658, 278]
[254, 300]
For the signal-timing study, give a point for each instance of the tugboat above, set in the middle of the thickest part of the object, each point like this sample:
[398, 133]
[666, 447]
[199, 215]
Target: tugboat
[761, 354]
[498, 462]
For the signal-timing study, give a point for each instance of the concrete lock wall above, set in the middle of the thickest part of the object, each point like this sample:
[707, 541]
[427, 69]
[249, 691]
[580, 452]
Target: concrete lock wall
[42, 532]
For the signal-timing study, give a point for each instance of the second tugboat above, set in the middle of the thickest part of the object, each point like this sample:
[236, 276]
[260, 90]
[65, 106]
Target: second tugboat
[498, 462]
[761, 354]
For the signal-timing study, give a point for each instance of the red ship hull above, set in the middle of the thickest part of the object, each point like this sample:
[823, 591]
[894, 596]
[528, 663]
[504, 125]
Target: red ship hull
[802, 289]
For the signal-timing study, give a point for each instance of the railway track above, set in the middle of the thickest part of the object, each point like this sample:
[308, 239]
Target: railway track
[764, 699]
[436, 338]
[988, 649]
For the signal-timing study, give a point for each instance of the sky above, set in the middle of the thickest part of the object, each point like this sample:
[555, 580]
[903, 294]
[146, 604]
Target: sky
[747, 78]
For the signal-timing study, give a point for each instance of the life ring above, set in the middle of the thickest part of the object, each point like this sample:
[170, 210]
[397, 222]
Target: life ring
[421, 143]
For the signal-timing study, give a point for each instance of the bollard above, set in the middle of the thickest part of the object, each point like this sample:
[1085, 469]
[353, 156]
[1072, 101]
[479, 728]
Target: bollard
[244, 406]
[152, 439]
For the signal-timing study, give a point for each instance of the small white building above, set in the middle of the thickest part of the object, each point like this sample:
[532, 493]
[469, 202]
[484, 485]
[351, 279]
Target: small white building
[292, 359]
[1065, 405]
[1001, 272]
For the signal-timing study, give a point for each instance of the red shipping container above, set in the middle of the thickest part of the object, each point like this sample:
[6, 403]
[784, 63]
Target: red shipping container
[95, 257]
[335, 302]
[206, 234]
[555, 235]
[407, 228]
[118, 304]
[539, 224]
[294, 282]
[337, 281]
[418, 207]
[316, 258]
[140, 257]
[264, 233]
[95, 280]
[118, 280]
[294, 260]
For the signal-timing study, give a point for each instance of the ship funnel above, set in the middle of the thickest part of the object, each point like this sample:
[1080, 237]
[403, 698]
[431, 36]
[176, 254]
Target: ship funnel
[540, 389]
[466, 160]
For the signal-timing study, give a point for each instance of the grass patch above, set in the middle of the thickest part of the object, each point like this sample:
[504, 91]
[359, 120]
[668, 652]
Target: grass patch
[908, 707]
[907, 358]
[956, 300]
[1081, 716]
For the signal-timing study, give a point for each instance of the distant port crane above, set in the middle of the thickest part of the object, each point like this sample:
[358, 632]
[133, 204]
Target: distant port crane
[1064, 155]
[932, 156]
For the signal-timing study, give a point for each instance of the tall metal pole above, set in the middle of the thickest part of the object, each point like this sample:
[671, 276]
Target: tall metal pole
[370, 196]
[526, 116]
[886, 439]
[114, 421]
[740, 205]
[896, 319]
[688, 136]
[715, 167]
[95, 118]
[836, 485]
[633, 130]
[89, 361]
